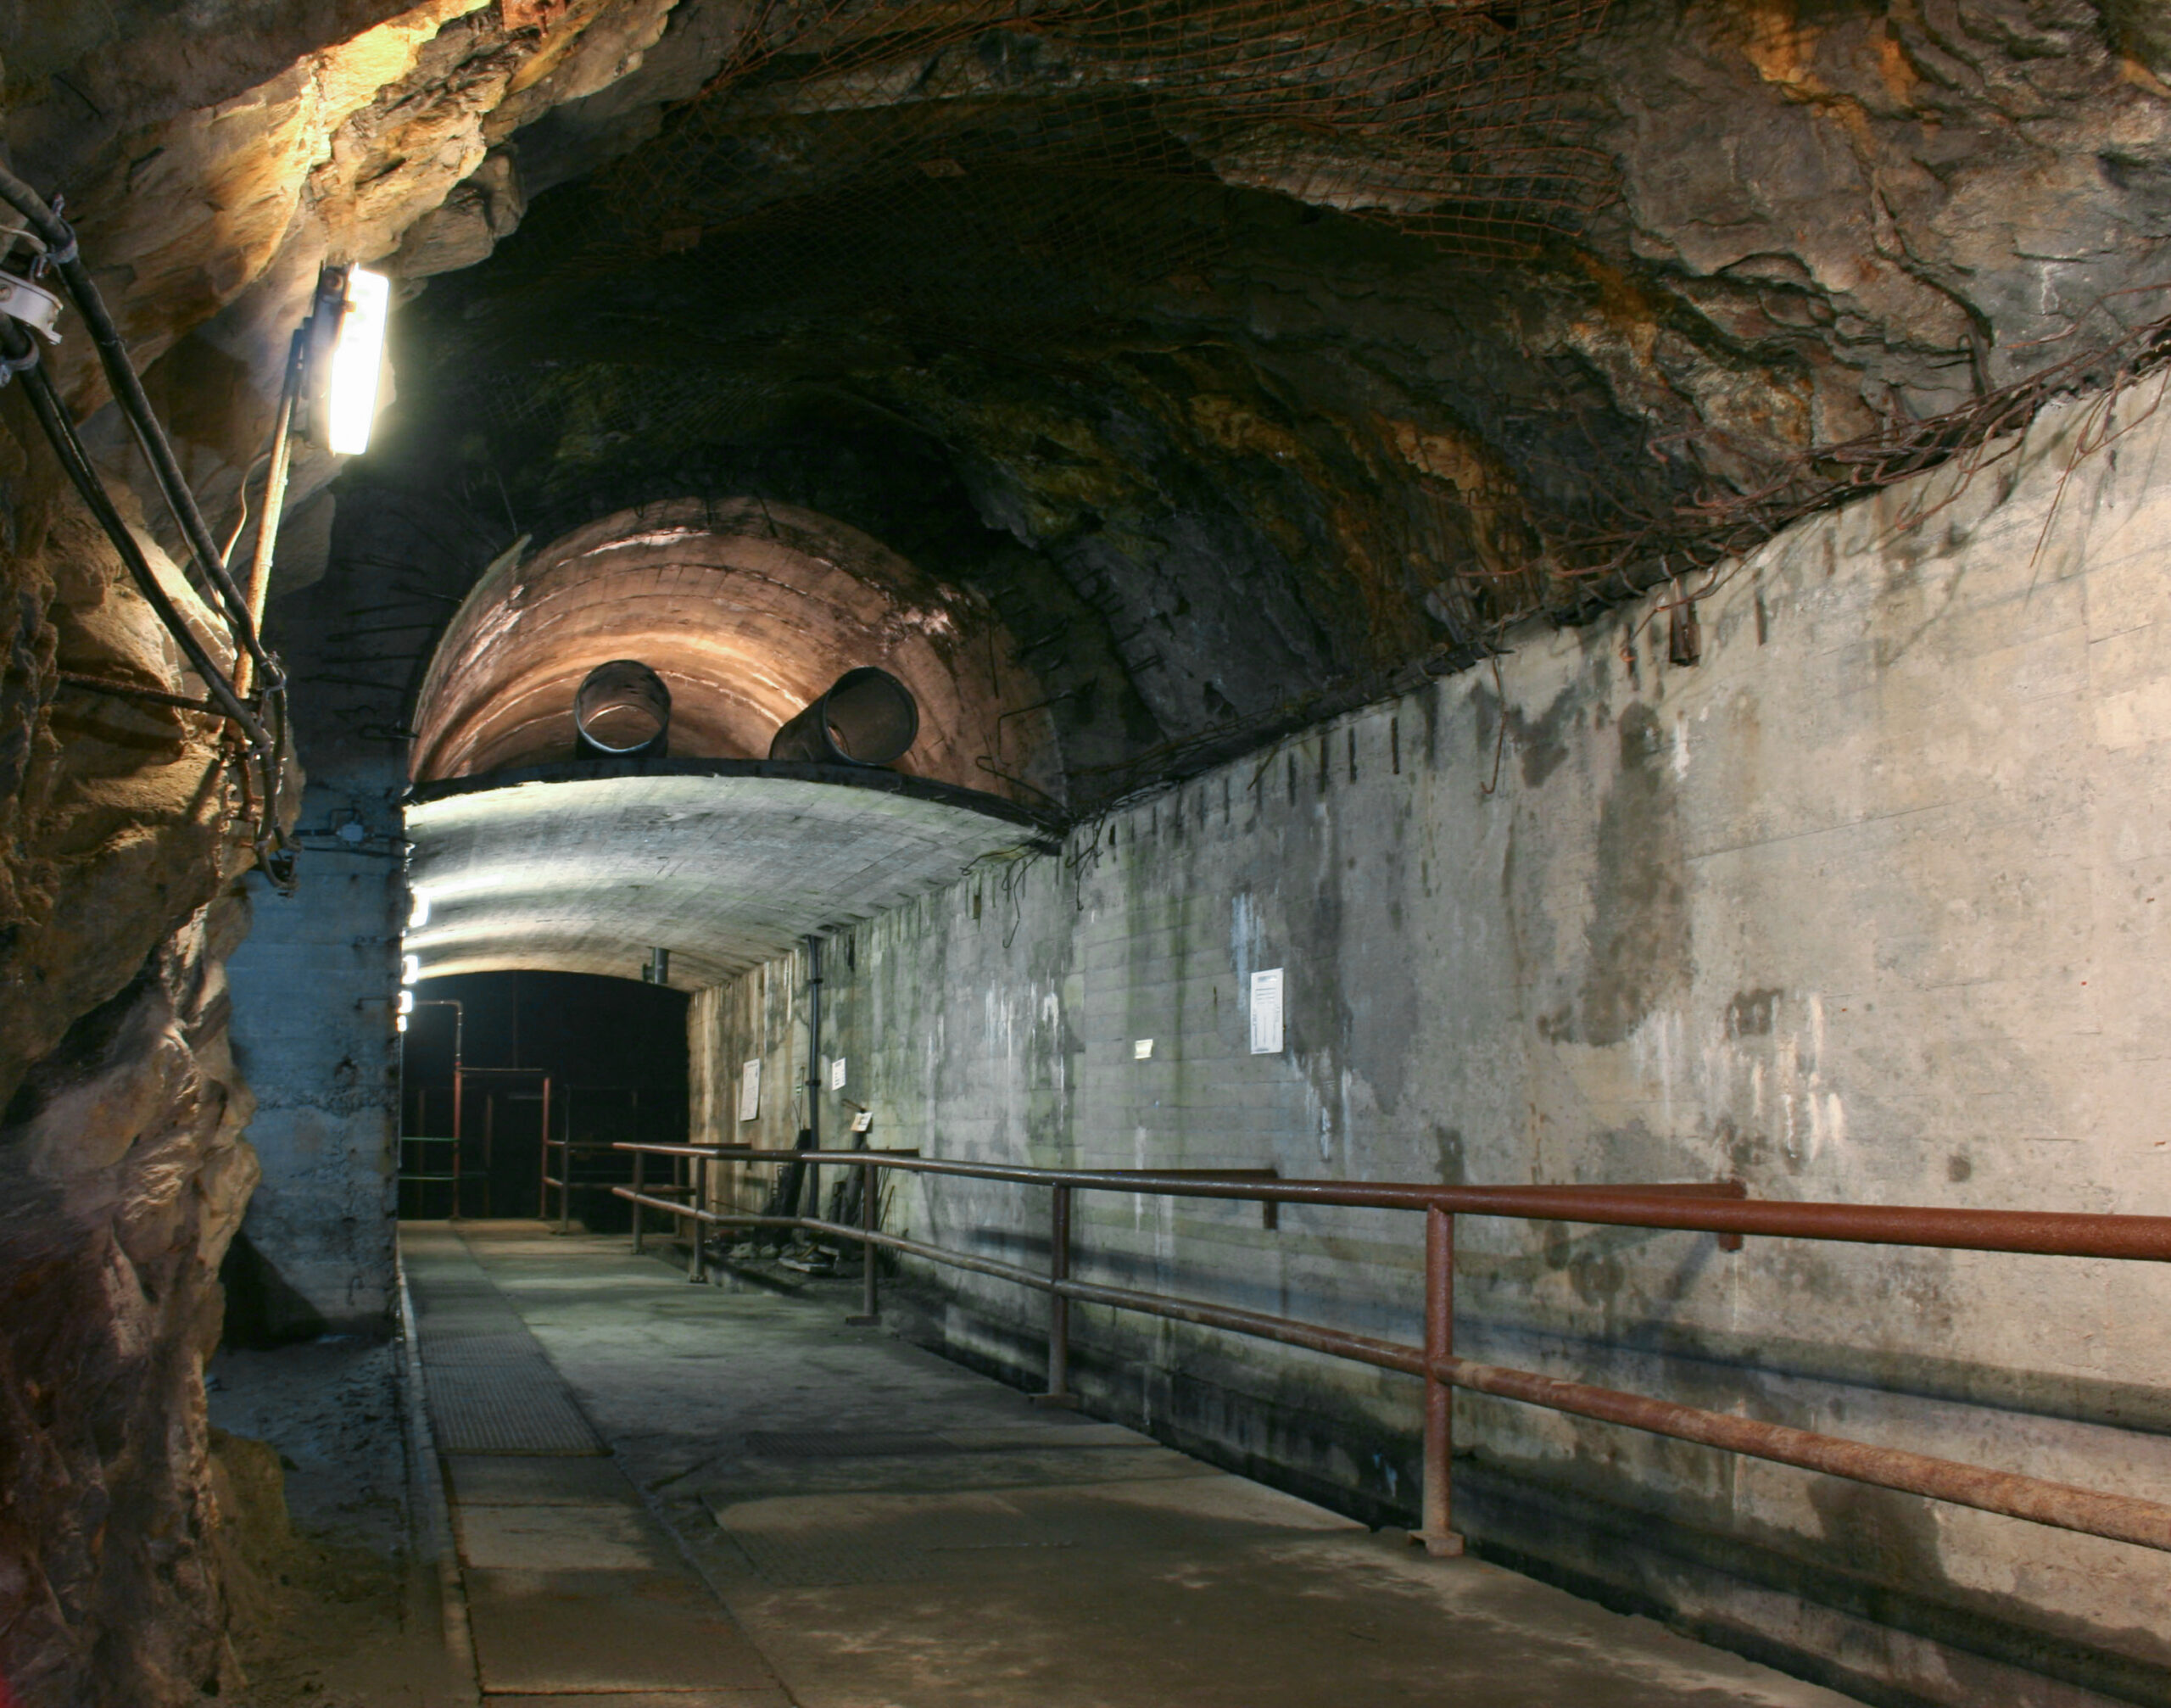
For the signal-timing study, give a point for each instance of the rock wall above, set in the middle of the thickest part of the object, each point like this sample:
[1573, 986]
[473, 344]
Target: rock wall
[122, 1169]
[1866, 905]
[124, 1173]
[212, 156]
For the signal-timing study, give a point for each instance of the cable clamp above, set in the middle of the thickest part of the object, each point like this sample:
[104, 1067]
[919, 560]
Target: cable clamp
[12, 365]
[35, 307]
[67, 253]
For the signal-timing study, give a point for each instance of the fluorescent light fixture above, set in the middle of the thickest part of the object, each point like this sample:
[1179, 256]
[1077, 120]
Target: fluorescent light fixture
[418, 913]
[406, 1002]
[398, 1023]
[358, 361]
[410, 969]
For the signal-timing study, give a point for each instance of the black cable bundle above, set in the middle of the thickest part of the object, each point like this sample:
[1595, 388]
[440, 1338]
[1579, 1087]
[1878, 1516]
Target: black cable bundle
[267, 735]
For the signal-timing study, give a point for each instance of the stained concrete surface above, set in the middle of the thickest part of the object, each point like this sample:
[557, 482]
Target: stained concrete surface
[795, 1510]
[326, 1605]
[313, 1037]
[725, 863]
[1776, 917]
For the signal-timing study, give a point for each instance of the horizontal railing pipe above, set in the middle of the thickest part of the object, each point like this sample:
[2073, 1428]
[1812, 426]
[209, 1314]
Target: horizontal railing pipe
[1707, 1207]
[2121, 1517]
[1685, 1209]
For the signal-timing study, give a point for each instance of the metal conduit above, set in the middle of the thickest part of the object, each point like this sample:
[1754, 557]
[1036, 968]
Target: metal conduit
[1717, 1207]
[867, 717]
[623, 708]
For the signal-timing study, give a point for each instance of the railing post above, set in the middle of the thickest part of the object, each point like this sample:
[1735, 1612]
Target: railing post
[1059, 1390]
[697, 1260]
[565, 1161]
[1438, 1534]
[869, 1310]
[640, 1160]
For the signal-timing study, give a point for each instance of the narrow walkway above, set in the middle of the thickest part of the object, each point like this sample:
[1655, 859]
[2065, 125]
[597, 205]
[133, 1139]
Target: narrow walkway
[689, 1497]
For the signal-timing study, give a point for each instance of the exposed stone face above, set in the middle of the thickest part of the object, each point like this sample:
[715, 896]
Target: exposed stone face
[213, 157]
[1919, 195]
[1279, 451]
[122, 1168]
[238, 170]
[124, 1175]
[1821, 221]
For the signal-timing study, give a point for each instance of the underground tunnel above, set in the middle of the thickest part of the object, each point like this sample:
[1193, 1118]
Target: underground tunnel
[1093, 854]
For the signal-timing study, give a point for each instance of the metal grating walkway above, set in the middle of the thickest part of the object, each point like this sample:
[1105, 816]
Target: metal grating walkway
[491, 1389]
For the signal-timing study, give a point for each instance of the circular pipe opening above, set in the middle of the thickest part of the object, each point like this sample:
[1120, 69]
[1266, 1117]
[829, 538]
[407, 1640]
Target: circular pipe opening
[623, 708]
[872, 717]
[867, 717]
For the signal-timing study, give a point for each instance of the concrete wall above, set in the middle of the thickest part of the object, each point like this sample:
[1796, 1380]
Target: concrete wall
[1867, 906]
[313, 1034]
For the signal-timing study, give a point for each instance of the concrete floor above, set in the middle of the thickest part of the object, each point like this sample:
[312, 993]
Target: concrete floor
[794, 1511]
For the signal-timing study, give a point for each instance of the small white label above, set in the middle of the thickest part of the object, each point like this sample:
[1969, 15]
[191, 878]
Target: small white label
[1142, 1050]
[750, 1090]
[1266, 1012]
[837, 1074]
[862, 1121]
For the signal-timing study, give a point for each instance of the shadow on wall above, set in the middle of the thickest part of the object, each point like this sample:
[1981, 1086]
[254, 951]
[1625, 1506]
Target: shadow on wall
[747, 612]
[263, 1308]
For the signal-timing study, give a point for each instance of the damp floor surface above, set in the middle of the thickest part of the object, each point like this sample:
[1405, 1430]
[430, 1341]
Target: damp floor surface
[668, 1495]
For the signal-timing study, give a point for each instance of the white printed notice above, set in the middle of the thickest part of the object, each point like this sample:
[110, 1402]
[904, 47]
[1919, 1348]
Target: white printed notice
[1266, 1012]
[750, 1090]
[837, 1074]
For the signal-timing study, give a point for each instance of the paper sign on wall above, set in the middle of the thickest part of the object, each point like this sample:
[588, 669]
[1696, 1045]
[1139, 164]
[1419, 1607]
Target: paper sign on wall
[1266, 1012]
[862, 1121]
[750, 1090]
[837, 1074]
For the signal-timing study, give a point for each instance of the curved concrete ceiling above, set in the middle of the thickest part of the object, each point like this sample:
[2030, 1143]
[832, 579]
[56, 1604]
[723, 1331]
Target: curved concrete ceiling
[748, 611]
[584, 868]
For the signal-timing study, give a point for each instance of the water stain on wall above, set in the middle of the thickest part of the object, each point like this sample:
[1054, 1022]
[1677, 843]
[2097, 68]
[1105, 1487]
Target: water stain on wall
[1750, 1014]
[1639, 933]
[1542, 742]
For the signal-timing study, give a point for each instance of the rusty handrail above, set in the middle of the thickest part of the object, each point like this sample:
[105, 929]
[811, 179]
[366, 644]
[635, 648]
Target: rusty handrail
[1691, 1207]
[1719, 1208]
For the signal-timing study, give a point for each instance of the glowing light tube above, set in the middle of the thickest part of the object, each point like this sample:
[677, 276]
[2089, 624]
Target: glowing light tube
[358, 360]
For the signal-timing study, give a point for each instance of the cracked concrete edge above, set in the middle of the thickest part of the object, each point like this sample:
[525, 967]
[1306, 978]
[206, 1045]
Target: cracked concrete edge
[429, 1512]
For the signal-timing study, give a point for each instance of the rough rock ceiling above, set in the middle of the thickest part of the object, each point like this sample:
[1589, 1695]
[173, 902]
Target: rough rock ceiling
[581, 868]
[1308, 345]
[1244, 358]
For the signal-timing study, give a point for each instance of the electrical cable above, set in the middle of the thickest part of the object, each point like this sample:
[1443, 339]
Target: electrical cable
[19, 355]
[128, 391]
[274, 850]
[240, 498]
[75, 462]
[129, 690]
